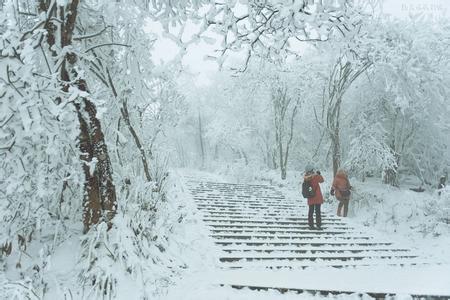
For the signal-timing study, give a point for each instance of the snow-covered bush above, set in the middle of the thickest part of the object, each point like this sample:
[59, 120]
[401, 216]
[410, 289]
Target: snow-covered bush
[40, 170]
[368, 152]
[17, 290]
[395, 210]
[439, 206]
[141, 252]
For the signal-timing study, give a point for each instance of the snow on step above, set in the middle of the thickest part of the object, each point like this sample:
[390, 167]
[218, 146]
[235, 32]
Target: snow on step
[302, 243]
[378, 281]
[244, 220]
[257, 228]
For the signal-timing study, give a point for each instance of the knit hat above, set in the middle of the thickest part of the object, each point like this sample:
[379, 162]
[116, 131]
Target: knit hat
[309, 168]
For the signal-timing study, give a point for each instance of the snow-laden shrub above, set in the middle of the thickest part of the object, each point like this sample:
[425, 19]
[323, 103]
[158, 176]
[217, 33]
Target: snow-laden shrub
[439, 206]
[393, 210]
[368, 152]
[17, 290]
[143, 251]
[40, 170]
[131, 250]
[362, 200]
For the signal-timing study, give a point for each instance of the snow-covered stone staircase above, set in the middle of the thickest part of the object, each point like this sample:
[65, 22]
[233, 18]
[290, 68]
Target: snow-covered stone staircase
[257, 228]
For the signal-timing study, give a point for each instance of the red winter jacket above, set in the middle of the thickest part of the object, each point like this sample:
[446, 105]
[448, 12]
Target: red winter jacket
[315, 180]
[340, 184]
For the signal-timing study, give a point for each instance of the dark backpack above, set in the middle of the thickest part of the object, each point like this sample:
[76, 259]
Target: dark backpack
[307, 190]
[345, 193]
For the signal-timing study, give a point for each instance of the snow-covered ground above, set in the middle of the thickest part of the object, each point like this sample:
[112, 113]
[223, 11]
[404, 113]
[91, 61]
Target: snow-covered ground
[401, 282]
[397, 214]
[419, 220]
[136, 269]
[184, 263]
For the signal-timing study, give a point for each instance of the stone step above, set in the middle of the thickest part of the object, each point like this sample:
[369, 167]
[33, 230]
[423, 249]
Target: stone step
[316, 243]
[251, 200]
[276, 219]
[241, 206]
[282, 211]
[307, 249]
[252, 212]
[245, 199]
[269, 232]
[241, 196]
[250, 216]
[327, 293]
[225, 221]
[325, 225]
[233, 185]
[299, 264]
[237, 194]
[245, 212]
[258, 216]
[314, 257]
[257, 199]
[289, 237]
[248, 203]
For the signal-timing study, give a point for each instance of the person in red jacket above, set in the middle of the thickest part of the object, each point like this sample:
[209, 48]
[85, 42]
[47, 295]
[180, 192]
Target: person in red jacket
[315, 202]
[341, 189]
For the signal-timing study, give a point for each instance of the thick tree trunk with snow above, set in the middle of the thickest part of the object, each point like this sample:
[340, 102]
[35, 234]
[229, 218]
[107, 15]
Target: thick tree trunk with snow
[99, 200]
[99, 192]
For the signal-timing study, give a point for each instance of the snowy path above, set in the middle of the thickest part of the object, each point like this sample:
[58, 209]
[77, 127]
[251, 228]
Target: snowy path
[265, 243]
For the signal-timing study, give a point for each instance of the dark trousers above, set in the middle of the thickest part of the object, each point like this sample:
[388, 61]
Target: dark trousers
[343, 204]
[316, 208]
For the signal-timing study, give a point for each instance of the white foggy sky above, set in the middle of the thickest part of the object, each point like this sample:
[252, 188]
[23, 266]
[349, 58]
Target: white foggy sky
[194, 62]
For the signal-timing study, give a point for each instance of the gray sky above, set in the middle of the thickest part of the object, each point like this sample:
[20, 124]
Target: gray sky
[193, 61]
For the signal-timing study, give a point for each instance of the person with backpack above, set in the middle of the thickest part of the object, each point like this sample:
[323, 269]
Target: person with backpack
[341, 190]
[311, 191]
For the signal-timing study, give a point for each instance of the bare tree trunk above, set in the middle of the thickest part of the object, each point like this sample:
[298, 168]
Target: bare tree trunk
[181, 154]
[137, 141]
[119, 159]
[244, 156]
[282, 103]
[274, 159]
[126, 116]
[291, 135]
[401, 134]
[336, 149]
[280, 157]
[283, 173]
[216, 152]
[390, 176]
[200, 135]
[341, 78]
